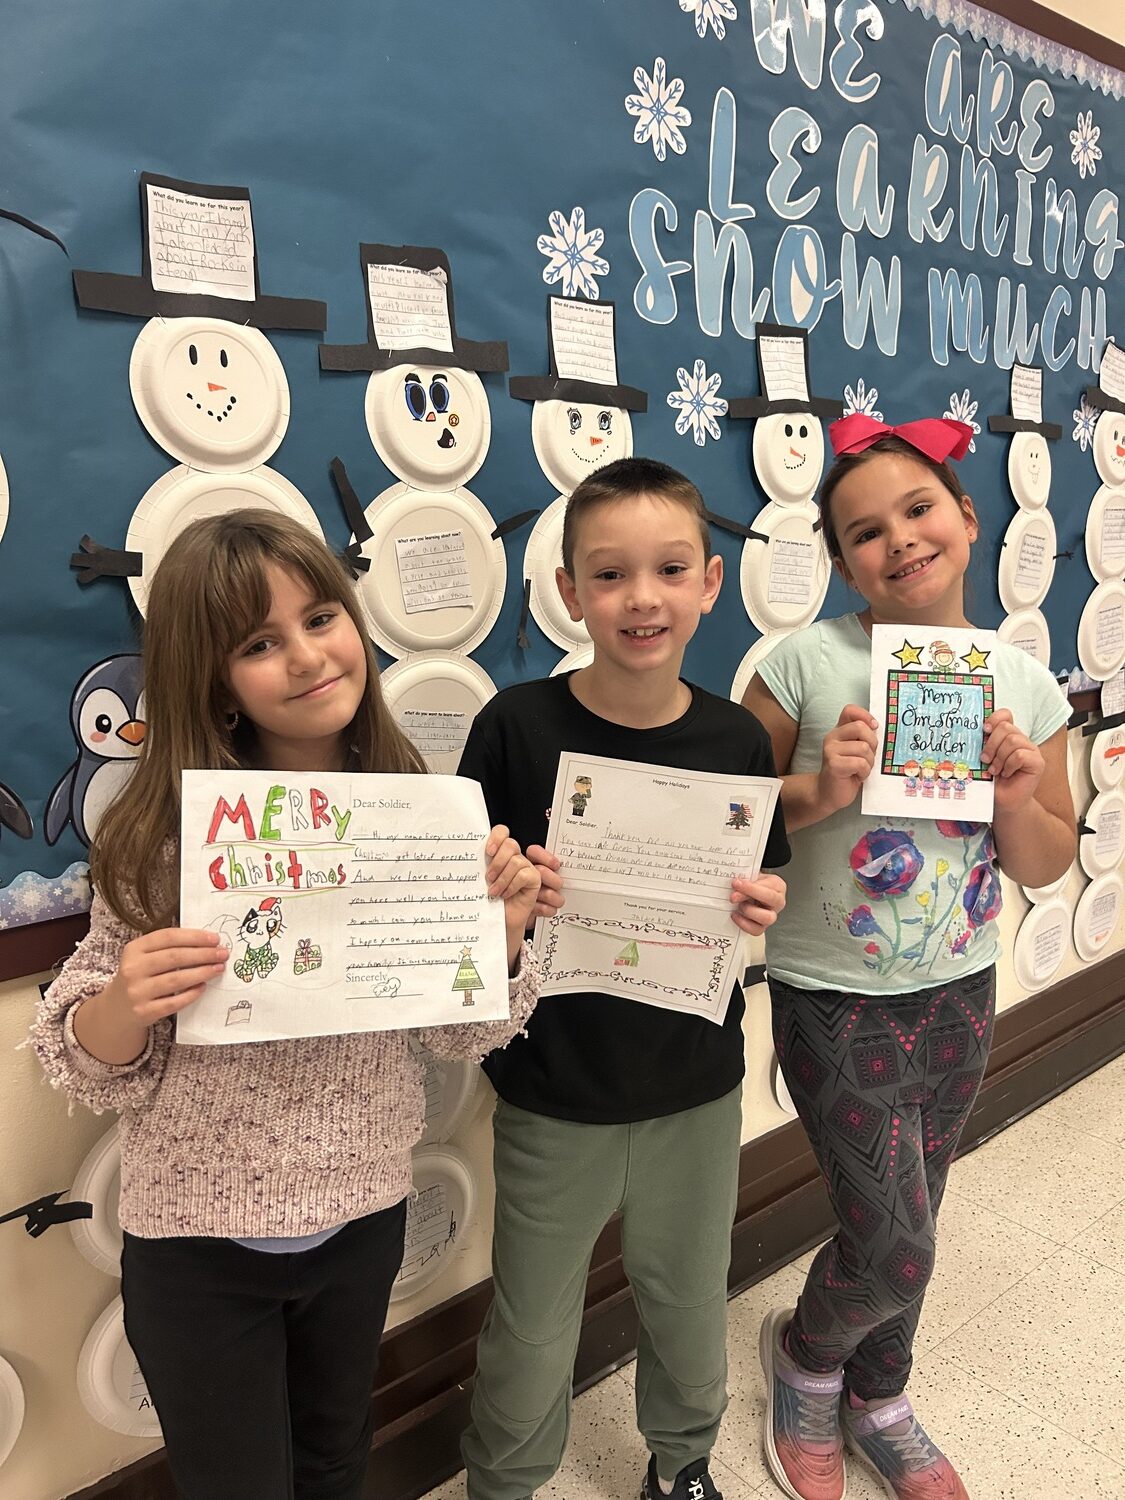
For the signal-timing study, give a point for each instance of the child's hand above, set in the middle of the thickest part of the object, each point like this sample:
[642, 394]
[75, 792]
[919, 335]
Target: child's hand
[514, 880]
[162, 972]
[756, 902]
[848, 757]
[549, 866]
[1015, 765]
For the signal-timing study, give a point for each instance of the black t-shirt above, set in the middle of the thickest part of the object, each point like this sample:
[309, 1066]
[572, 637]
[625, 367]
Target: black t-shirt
[597, 1058]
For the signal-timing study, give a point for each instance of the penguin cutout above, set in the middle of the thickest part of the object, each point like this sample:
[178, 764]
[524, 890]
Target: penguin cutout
[579, 423]
[13, 815]
[206, 382]
[432, 560]
[785, 567]
[107, 720]
[1029, 458]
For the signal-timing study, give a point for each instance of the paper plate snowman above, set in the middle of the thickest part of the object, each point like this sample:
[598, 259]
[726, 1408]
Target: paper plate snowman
[205, 381]
[579, 423]
[1109, 431]
[1101, 627]
[785, 566]
[1029, 458]
[434, 569]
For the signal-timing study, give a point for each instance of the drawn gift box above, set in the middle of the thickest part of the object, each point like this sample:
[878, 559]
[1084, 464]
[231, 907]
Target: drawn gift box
[307, 956]
[239, 1013]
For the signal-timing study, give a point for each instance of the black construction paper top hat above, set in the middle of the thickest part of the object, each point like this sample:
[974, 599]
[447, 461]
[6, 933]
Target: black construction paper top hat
[783, 371]
[1027, 406]
[199, 259]
[408, 293]
[582, 356]
[1109, 395]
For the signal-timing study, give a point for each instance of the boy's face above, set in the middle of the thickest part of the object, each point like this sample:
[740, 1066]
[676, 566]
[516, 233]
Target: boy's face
[640, 582]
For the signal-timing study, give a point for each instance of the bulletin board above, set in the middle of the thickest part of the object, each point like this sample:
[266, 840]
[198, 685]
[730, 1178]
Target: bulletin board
[925, 188]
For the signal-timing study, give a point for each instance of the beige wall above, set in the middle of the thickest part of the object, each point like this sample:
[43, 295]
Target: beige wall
[1104, 16]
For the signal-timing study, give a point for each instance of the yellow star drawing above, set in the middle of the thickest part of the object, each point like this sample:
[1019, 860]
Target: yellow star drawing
[909, 656]
[976, 658]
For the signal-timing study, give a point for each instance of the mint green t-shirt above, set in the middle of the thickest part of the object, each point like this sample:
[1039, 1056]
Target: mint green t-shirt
[878, 904]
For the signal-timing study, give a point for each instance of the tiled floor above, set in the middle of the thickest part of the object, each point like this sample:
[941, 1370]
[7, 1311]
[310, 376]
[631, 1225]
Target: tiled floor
[1020, 1361]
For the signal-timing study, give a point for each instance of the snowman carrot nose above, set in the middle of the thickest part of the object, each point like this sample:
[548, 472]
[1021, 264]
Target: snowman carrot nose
[211, 387]
[594, 441]
[431, 416]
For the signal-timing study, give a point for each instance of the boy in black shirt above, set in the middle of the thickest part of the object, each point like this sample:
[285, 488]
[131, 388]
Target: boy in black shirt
[606, 1104]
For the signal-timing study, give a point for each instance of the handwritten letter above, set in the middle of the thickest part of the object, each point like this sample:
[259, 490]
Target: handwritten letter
[582, 338]
[204, 246]
[409, 307]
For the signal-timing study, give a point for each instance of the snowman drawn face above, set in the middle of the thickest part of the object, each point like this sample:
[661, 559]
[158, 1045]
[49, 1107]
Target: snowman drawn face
[430, 424]
[213, 394]
[573, 438]
[1109, 448]
[107, 729]
[1029, 469]
[789, 455]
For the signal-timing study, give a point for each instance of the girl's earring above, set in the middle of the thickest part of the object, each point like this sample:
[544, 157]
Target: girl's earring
[232, 721]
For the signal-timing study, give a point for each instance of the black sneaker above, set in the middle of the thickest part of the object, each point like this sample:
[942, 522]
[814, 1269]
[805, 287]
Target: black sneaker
[692, 1483]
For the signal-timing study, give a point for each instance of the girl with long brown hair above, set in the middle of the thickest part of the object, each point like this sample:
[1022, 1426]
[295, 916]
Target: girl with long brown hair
[263, 1186]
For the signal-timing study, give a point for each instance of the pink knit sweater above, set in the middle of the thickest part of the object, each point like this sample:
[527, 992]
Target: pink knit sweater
[261, 1139]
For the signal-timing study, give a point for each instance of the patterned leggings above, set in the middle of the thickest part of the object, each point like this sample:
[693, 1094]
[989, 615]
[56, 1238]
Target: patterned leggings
[883, 1086]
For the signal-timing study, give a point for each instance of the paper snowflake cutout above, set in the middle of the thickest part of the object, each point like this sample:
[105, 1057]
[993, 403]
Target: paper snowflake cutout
[713, 13]
[572, 256]
[1087, 153]
[698, 403]
[862, 400]
[1085, 420]
[659, 113]
[962, 408]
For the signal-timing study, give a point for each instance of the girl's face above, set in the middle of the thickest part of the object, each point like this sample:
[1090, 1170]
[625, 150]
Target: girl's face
[904, 541]
[300, 678]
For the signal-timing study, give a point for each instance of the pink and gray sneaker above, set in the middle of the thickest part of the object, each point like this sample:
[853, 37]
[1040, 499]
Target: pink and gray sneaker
[803, 1442]
[892, 1441]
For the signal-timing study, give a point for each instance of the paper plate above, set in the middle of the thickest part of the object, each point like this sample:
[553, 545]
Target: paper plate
[451, 1091]
[573, 661]
[1096, 915]
[1027, 560]
[1041, 944]
[1029, 469]
[541, 557]
[1102, 850]
[434, 698]
[1037, 894]
[573, 438]
[782, 1097]
[1107, 758]
[110, 1382]
[473, 561]
[1028, 630]
[212, 394]
[3, 498]
[11, 1409]
[430, 424]
[1101, 631]
[98, 1181]
[1109, 448]
[436, 1217]
[1105, 534]
[748, 666]
[185, 494]
[784, 579]
[789, 456]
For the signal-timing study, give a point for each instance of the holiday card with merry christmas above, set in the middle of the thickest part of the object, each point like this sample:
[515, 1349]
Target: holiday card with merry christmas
[932, 691]
[349, 903]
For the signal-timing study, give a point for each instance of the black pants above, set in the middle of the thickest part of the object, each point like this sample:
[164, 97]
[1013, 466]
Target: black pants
[261, 1366]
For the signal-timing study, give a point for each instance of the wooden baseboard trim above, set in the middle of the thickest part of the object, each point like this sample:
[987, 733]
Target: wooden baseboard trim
[422, 1394]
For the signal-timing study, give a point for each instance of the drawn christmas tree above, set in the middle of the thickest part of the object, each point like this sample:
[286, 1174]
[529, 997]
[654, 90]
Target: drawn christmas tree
[467, 979]
[629, 957]
[739, 815]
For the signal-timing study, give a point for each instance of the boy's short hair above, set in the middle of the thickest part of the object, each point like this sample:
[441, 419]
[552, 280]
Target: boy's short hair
[625, 479]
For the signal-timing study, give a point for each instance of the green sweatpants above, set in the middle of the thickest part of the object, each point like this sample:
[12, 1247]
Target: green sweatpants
[674, 1181]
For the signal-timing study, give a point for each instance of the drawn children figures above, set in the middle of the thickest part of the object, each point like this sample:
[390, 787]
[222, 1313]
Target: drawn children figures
[467, 979]
[960, 780]
[911, 771]
[259, 927]
[945, 779]
[583, 791]
[929, 768]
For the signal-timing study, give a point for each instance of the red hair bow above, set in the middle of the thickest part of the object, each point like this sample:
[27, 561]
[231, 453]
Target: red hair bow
[938, 438]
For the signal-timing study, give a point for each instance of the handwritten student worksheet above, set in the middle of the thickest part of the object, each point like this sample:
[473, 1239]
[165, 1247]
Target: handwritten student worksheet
[931, 692]
[350, 903]
[648, 854]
